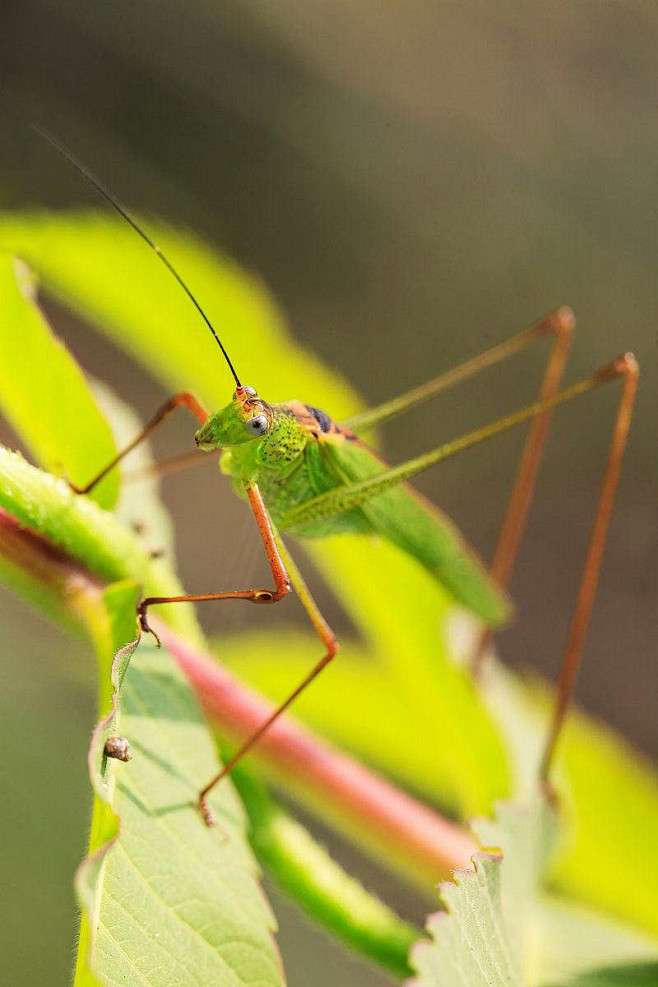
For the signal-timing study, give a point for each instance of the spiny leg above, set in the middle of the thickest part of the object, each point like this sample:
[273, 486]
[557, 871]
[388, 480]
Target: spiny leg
[182, 399]
[327, 637]
[588, 582]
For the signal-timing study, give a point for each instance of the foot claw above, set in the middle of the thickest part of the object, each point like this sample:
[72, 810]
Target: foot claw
[207, 813]
[145, 626]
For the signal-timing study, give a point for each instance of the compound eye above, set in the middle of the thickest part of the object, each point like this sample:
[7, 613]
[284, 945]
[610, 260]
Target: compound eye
[257, 425]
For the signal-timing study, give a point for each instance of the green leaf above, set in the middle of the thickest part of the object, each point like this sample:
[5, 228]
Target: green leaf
[112, 625]
[577, 940]
[608, 793]
[44, 393]
[499, 929]
[97, 265]
[611, 803]
[633, 975]
[470, 947]
[167, 899]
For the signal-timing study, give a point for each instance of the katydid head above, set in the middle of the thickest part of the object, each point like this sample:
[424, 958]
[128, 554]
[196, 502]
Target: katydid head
[246, 418]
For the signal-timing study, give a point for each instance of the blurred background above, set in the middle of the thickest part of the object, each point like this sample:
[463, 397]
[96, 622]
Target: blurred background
[413, 183]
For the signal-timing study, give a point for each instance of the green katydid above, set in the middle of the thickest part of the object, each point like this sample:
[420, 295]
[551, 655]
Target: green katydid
[303, 473]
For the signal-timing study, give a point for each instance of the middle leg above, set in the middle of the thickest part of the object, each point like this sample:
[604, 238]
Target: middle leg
[328, 638]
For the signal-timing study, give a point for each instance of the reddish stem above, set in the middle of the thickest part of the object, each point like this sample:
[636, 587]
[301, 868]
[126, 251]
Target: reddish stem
[389, 816]
[403, 827]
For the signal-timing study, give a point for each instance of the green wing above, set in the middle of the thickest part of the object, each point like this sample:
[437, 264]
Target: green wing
[405, 518]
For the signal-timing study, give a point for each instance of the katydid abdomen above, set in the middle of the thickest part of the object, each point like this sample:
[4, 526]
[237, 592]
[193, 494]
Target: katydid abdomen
[404, 517]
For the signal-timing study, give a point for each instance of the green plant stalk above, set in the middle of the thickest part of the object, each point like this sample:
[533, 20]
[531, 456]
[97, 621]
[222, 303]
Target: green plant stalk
[76, 528]
[339, 902]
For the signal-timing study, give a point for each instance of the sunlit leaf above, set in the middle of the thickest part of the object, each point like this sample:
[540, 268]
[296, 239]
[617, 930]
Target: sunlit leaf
[490, 933]
[97, 265]
[499, 929]
[43, 392]
[580, 942]
[609, 796]
[168, 900]
[469, 948]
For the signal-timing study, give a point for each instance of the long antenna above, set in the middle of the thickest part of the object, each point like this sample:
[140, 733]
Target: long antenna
[121, 209]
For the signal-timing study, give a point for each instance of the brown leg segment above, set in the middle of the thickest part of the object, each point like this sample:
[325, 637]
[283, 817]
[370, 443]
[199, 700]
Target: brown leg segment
[173, 464]
[561, 324]
[626, 367]
[281, 580]
[327, 637]
[281, 565]
[281, 589]
[182, 399]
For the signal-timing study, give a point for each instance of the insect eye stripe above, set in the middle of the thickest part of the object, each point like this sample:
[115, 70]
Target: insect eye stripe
[321, 417]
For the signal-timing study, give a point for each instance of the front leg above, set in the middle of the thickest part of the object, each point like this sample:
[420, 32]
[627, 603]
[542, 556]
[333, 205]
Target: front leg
[280, 563]
[181, 400]
[281, 580]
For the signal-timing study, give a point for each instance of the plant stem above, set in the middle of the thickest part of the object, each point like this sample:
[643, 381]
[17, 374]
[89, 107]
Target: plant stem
[417, 837]
[382, 816]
